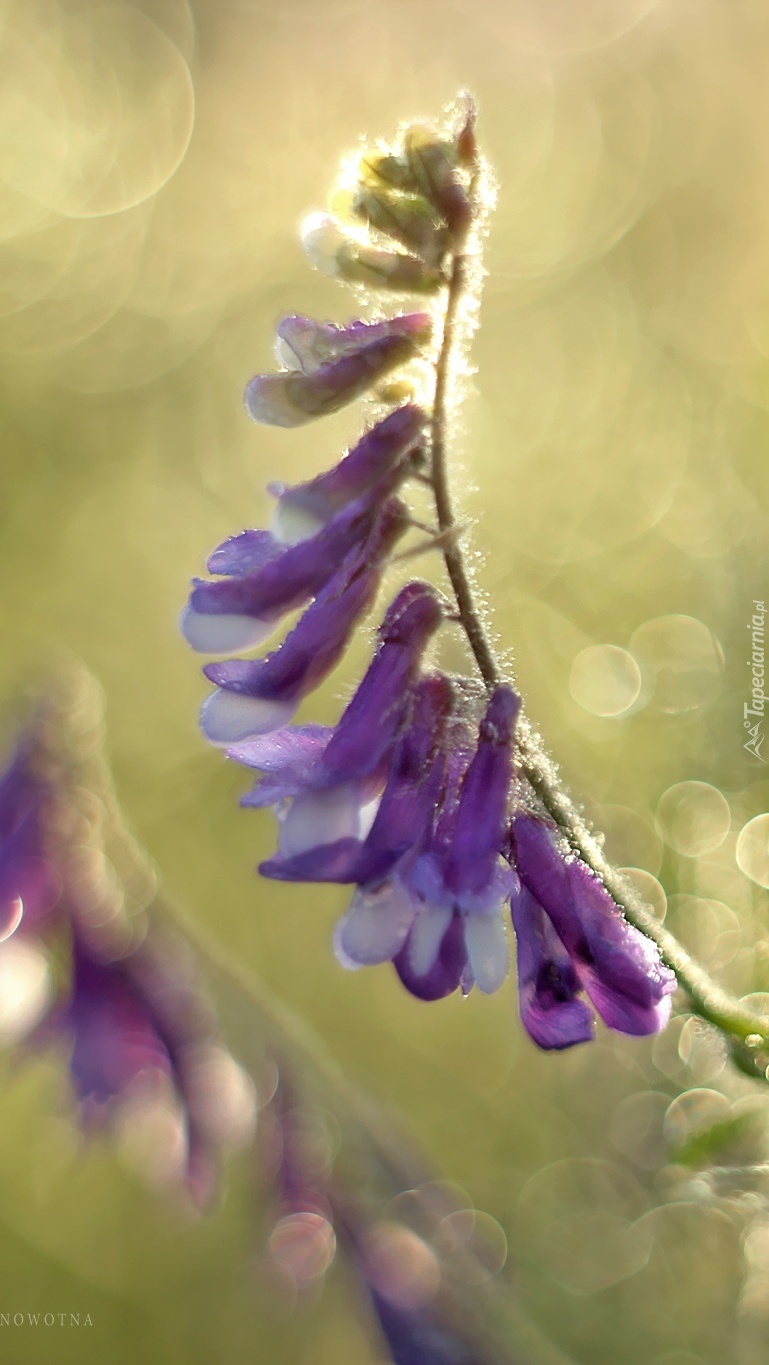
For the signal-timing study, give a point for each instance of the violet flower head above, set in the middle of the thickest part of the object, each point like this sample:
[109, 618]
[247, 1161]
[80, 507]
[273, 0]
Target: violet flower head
[143, 1038]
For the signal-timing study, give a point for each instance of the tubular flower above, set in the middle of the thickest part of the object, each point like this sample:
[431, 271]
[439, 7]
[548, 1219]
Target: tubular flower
[616, 966]
[435, 884]
[353, 362]
[255, 696]
[322, 781]
[391, 444]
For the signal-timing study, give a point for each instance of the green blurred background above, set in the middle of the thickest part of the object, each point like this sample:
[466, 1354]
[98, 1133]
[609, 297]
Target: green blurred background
[155, 159]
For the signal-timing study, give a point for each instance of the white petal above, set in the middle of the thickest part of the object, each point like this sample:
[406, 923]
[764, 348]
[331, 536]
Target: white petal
[218, 633]
[316, 818]
[292, 523]
[341, 956]
[427, 934]
[322, 239]
[226, 717]
[487, 949]
[376, 925]
[271, 399]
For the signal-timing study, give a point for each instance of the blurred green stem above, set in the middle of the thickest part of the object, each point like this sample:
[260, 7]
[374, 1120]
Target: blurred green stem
[746, 1032]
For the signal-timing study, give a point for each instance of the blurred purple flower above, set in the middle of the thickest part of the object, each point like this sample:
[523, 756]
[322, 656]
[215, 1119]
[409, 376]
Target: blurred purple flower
[30, 883]
[124, 1003]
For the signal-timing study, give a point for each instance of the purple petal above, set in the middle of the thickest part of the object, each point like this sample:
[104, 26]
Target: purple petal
[243, 553]
[548, 986]
[619, 967]
[479, 827]
[292, 398]
[308, 653]
[254, 602]
[334, 862]
[30, 883]
[379, 451]
[370, 724]
[288, 759]
[445, 974]
[414, 1337]
[313, 343]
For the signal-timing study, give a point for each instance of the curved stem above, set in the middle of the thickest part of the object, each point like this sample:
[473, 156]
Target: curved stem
[748, 1030]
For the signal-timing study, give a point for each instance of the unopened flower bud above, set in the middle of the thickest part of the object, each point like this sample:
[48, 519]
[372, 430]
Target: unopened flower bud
[335, 253]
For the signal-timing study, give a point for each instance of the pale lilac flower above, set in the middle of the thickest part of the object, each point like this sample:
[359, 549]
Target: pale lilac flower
[140, 1032]
[356, 364]
[617, 966]
[306, 344]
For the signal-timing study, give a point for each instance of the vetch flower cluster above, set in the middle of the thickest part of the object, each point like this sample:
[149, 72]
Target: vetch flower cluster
[416, 798]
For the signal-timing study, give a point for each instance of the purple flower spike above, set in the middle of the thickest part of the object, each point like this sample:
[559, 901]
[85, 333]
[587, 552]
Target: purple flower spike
[305, 507]
[618, 967]
[292, 398]
[255, 696]
[548, 986]
[306, 344]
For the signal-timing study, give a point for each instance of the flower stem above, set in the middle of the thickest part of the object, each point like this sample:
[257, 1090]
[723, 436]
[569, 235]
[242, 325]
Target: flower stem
[747, 1031]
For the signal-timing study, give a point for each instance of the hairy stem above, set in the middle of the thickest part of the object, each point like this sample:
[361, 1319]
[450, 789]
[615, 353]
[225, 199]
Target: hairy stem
[748, 1031]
